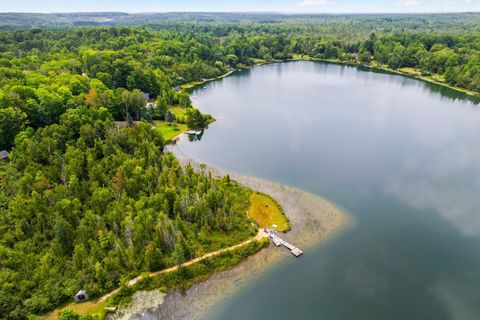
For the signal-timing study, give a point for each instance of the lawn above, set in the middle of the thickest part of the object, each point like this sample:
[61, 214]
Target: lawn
[91, 308]
[258, 61]
[266, 212]
[170, 130]
[180, 113]
[411, 71]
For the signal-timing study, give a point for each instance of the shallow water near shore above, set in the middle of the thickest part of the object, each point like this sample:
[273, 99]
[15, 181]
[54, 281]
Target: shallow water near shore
[313, 220]
[399, 154]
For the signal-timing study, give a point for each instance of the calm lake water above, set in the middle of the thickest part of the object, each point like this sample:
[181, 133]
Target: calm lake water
[401, 155]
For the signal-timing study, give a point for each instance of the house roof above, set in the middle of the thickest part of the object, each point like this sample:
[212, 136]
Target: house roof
[4, 154]
[81, 292]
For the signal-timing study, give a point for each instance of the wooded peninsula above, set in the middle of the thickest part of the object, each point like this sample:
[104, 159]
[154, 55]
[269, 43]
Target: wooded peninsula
[88, 197]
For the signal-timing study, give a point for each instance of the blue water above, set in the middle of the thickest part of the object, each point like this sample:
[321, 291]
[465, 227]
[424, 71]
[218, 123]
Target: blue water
[402, 156]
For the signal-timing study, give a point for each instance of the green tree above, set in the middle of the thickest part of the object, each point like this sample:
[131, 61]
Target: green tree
[12, 121]
[195, 119]
[68, 314]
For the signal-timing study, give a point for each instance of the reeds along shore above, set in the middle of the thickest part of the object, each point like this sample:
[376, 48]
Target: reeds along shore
[313, 220]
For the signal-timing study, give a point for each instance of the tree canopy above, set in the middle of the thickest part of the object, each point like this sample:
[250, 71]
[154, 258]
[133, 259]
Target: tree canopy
[86, 202]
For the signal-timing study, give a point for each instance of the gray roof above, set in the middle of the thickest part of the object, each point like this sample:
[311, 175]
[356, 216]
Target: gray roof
[4, 154]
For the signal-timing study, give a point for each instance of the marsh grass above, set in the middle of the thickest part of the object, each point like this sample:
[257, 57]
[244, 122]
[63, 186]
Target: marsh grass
[266, 212]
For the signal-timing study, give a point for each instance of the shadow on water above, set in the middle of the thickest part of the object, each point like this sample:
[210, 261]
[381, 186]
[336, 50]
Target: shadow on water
[436, 89]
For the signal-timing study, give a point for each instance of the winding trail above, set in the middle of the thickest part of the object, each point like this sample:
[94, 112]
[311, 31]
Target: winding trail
[92, 305]
[260, 235]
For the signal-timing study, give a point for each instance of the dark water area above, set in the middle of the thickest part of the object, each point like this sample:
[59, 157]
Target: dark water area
[401, 155]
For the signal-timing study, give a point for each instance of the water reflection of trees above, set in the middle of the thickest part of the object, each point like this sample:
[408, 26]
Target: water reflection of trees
[192, 137]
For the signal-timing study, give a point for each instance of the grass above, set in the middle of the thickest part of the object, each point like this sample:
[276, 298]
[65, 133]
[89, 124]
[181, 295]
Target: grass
[266, 212]
[184, 278]
[180, 113]
[410, 71]
[191, 84]
[91, 308]
[170, 130]
[258, 61]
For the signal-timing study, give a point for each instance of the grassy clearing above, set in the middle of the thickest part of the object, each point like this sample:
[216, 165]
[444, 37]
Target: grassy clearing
[410, 71]
[170, 130]
[90, 308]
[180, 113]
[191, 84]
[266, 212]
[259, 61]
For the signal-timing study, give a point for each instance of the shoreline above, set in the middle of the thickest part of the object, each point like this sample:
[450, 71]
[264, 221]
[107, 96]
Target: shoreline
[470, 93]
[314, 221]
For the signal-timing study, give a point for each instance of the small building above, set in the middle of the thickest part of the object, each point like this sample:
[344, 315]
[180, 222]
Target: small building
[81, 296]
[146, 95]
[4, 155]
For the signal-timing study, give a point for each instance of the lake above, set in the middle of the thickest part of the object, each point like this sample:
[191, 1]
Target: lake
[401, 155]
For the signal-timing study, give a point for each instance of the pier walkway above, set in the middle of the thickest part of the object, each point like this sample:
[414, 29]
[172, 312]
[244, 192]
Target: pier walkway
[280, 242]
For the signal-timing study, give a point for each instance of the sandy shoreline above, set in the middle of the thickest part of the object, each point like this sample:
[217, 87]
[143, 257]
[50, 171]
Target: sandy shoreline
[313, 221]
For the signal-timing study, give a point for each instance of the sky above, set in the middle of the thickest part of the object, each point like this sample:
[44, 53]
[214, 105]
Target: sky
[297, 6]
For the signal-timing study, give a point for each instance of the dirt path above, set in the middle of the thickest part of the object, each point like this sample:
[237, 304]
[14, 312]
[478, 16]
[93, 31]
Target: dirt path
[95, 305]
[260, 235]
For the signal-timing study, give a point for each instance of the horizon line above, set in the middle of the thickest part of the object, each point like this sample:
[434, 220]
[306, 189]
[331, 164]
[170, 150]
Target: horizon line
[249, 12]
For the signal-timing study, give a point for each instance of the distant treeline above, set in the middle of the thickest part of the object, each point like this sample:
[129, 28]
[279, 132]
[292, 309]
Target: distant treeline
[86, 204]
[44, 72]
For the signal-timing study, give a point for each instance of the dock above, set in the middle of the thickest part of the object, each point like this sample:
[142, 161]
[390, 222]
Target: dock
[193, 132]
[277, 241]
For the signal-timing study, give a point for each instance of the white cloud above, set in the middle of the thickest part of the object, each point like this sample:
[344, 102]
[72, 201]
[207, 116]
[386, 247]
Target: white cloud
[316, 4]
[409, 3]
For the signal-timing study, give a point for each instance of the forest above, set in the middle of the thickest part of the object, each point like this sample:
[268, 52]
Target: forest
[87, 204]
[89, 198]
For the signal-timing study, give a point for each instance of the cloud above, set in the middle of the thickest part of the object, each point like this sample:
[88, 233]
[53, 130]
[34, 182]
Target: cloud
[445, 179]
[460, 298]
[409, 3]
[315, 4]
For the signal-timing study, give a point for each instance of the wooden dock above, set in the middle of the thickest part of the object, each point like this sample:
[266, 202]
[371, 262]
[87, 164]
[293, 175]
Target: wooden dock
[277, 241]
[193, 132]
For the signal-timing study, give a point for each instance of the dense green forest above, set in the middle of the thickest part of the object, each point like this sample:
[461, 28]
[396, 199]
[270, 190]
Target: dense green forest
[43, 72]
[86, 202]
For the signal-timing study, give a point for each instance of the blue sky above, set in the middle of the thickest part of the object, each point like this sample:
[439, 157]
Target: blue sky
[334, 6]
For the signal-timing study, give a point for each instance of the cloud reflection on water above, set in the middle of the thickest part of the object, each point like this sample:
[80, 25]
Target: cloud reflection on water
[444, 173]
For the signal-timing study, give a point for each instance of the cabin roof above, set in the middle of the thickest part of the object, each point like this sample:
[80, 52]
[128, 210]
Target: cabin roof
[81, 292]
[4, 154]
